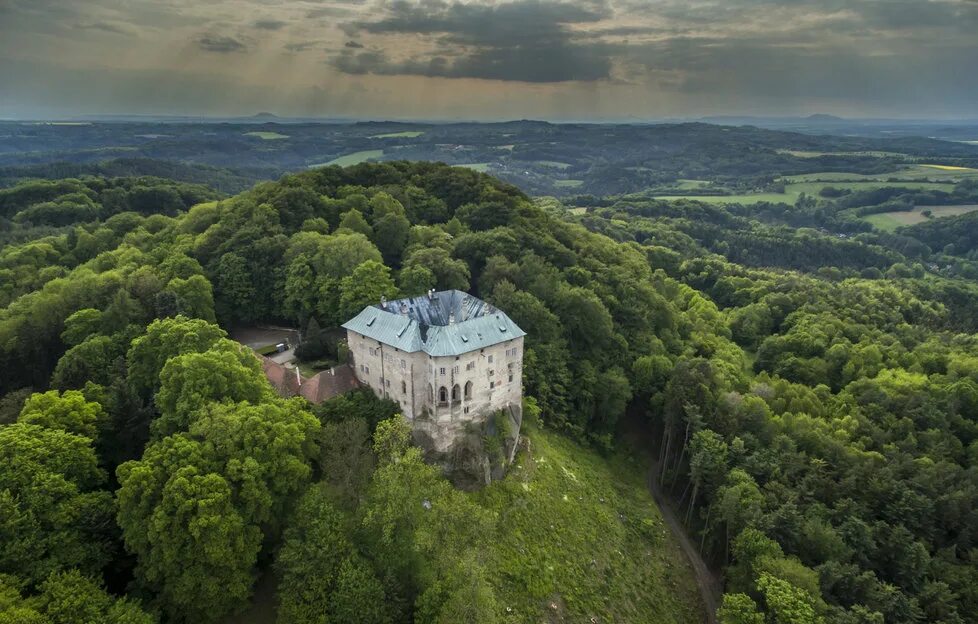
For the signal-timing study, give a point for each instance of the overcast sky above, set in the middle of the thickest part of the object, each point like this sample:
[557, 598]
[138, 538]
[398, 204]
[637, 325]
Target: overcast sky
[448, 59]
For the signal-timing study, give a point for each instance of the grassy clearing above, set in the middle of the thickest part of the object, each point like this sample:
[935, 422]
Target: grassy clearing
[568, 183]
[952, 168]
[407, 134]
[351, 159]
[691, 184]
[578, 211]
[911, 172]
[480, 167]
[794, 190]
[889, 221]
[267, 136]
[553, 164]
[810, 154]
[581, 533]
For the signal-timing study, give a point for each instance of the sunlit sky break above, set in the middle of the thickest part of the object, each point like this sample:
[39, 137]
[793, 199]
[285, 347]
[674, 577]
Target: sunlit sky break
[483, 59]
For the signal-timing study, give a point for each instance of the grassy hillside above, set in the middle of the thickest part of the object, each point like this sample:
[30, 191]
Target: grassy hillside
[579, 537]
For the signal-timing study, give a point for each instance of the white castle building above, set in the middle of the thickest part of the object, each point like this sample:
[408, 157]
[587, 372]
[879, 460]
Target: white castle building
[449, 359]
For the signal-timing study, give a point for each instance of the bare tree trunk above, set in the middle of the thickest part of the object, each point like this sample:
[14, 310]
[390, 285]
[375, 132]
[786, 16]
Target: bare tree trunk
[665, 458]
[706, 527]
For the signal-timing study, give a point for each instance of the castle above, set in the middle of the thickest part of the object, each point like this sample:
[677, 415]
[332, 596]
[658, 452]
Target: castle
[449, 359]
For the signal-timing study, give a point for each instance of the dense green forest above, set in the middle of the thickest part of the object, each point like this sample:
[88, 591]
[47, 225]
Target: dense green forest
[810, 384]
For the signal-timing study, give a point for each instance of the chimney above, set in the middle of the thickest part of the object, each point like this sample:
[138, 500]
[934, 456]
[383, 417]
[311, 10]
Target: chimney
[451, 318]
[431, 294]
[404, 308]
[383, 302]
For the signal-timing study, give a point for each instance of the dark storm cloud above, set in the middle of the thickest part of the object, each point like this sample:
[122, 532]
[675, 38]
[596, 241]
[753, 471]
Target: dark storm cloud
[220, 43]
[525, 41]
[596, 57]
[270, 24]
[108, 27]
[540, 65]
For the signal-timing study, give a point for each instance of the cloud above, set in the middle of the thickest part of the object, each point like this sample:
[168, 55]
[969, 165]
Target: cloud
[269, 24]
[576, 58]
[541, 66]
[108, 27]
[219, 43]
[300, 46]
[524, 40]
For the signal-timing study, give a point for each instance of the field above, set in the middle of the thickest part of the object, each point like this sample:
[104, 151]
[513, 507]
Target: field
[808, 154]
[794, 190]
[351, 159]
[911, 172]
[407, 134]
[480, 167]
[581, 533]
[568, 183]
[267, 136]
[554, 164]
[889, 221]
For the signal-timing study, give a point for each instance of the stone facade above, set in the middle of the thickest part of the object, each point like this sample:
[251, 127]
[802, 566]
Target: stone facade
[441, 394]
[454, 364]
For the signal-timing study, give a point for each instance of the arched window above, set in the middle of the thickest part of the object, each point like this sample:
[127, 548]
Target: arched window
[443, 395]
[468, 390]
[456, 393]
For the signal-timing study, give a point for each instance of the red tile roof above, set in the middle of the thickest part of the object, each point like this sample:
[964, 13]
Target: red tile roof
[316, 389]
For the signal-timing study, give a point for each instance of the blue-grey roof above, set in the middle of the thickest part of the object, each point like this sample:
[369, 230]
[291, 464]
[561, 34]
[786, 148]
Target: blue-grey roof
[449, 322]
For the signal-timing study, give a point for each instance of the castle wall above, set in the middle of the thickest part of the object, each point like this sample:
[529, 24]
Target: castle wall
[495, 374]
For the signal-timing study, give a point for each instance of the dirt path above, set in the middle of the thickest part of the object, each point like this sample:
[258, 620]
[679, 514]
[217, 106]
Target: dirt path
[709, 585]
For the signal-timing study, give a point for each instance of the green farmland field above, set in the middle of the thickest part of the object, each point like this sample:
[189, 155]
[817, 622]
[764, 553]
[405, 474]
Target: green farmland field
[568, 183]
[407, 134]
[912, 172]
[794, 190]
[889, 221]
[266, 136]
[351, 159]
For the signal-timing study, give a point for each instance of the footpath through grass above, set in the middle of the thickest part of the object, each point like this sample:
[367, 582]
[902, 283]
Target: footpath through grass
[578, 537]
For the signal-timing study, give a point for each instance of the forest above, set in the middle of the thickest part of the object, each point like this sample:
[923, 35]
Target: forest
[566, 159]
[807, 384]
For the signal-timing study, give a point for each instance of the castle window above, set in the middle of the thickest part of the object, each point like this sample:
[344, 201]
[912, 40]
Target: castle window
[492, 384]
[403, 364]
[456, 393]
[403, 388]
[455, 369]
[490, 359]
[468, 391]
[441, 371]
[492, 372]
[443, 395]
[470, 366]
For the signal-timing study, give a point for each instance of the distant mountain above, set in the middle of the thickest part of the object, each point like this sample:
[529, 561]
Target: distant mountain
[265, 116]
[823, 118]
